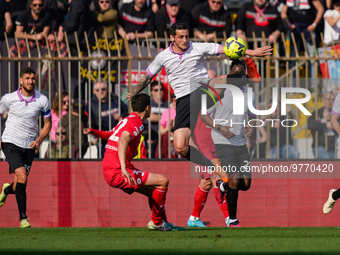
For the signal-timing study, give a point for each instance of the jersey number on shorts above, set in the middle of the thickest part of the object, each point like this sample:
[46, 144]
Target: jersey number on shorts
[118, 127]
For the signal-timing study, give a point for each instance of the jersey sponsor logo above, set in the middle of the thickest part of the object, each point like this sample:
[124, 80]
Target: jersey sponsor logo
[110, 147]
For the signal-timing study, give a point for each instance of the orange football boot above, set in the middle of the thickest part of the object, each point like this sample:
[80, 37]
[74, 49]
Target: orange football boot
[252, 70]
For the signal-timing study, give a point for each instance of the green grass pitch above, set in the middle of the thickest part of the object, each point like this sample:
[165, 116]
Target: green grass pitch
[318, 240]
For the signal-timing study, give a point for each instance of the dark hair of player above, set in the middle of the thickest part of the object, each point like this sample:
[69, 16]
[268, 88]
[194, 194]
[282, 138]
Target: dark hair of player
[178, 26]
[139, 102]
[27, 70]
[236, 62]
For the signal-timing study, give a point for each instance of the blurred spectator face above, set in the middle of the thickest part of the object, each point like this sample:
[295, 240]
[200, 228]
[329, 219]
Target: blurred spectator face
[36, 6]
[60, 132]
[100, 90]
[140, 3]
[104, 5]
[172, 9]
[215, 5]
[329, 100]
[157, 93]
[260, 3]
[65, 103]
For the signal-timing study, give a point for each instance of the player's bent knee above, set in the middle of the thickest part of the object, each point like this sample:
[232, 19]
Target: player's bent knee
[182, 150]
[163, 182]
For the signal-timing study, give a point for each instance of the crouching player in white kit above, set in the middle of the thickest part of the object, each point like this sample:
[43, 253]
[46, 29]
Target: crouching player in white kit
[119, 172]
[20, 138]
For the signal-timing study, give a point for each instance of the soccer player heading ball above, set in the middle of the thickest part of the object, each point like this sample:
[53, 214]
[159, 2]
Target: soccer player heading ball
[184, 63]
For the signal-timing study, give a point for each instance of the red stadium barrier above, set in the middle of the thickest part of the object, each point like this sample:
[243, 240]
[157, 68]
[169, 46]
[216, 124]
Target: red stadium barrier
[75, 194]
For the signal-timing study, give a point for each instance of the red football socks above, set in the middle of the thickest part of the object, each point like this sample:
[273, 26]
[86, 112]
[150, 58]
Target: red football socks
[201, 197]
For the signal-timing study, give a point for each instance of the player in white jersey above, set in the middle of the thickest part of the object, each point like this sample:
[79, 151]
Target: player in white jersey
[333, 193]
[20, 138]
[230, 134]
[184, 65]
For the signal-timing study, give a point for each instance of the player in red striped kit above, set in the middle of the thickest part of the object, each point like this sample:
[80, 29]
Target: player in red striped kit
[120, 173]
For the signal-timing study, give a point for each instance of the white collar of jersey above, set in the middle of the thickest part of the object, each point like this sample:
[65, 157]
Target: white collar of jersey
[23, 99]
[170, 48]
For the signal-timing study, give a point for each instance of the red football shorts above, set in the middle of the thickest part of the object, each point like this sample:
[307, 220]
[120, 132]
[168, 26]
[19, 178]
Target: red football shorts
[115, 179]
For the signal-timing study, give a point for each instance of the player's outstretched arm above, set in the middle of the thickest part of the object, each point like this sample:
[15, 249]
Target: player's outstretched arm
[142, 84]
[105, 135]
[260, 52]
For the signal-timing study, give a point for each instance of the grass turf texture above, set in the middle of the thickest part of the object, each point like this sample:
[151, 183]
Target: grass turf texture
[321, 240]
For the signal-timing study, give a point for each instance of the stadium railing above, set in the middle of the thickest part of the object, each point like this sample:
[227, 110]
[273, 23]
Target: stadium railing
[62, 66]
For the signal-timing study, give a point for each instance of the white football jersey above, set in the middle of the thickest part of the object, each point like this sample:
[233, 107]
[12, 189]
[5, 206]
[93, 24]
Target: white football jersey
[224, 113]
[23, 113]
[184, 70]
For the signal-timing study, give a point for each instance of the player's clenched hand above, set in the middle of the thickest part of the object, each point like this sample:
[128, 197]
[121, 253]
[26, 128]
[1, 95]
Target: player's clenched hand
[128, 177]
[86, 131]
[35, 145]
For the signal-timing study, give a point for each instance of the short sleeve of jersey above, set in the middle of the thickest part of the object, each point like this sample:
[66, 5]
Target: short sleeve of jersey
[156, 66]
[3, 104]
[328, 13]
[208, 49]
[336, 106]
[46, 111]
[134, 126]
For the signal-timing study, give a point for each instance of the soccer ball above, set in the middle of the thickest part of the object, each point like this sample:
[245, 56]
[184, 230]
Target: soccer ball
[234, 47]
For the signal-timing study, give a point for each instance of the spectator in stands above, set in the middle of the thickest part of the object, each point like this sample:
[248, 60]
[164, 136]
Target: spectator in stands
[76, 129]
[211, 17]
[101, 113]
[62, 11]
[189, 5]
[56, 110]
[16, 7]
[56, 147]
[106, 20]
[158, 106]
[6, 24]
[34, 21]
[280, 134]
[171, 14]
[167, 123]
[63, 147]
[323, 134]
[302, 17]
[136, 17]
[78, 19]
[259, 16]
[51, 7]
[332, 23]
